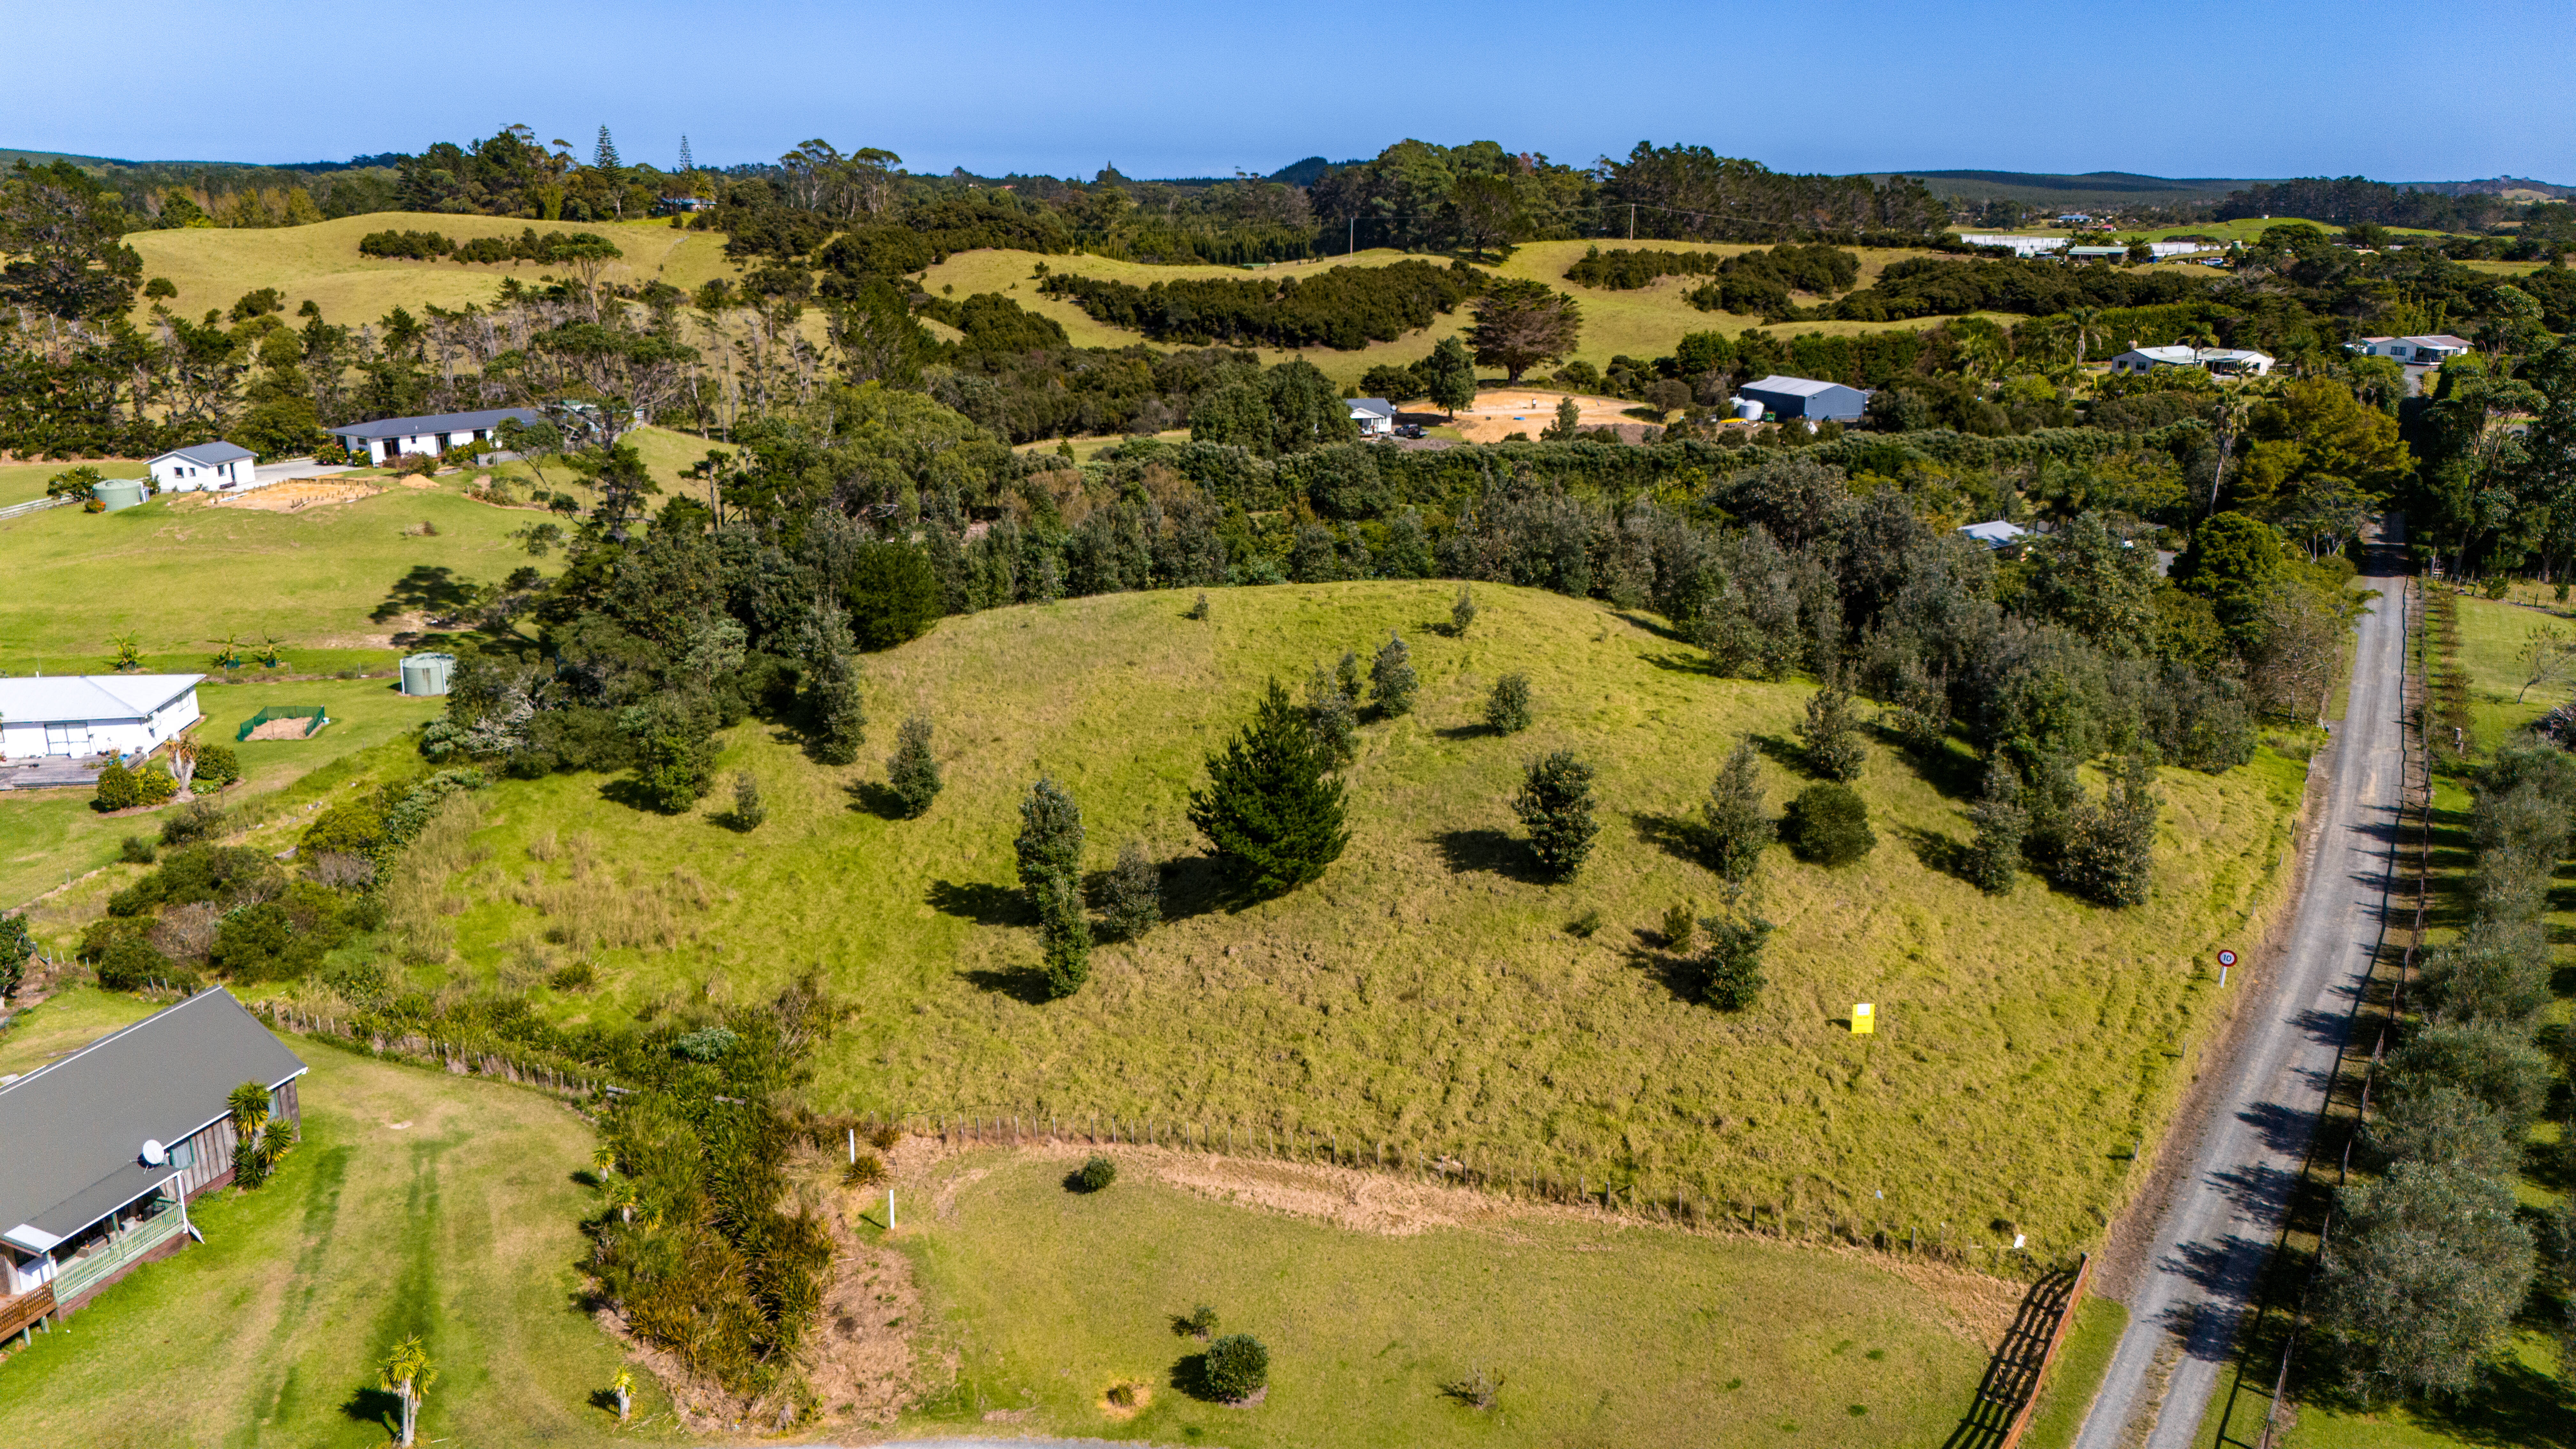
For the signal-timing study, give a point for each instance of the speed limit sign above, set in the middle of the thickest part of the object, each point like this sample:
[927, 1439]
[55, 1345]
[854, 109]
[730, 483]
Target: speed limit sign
[2226, 958]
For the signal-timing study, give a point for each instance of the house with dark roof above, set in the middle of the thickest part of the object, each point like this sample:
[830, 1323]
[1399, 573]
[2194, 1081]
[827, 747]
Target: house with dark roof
[386, 439]
[204, 466]
[101, 1150]
[1375, 415]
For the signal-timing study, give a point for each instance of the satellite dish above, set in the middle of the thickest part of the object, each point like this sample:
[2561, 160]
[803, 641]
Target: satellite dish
[153, 1153]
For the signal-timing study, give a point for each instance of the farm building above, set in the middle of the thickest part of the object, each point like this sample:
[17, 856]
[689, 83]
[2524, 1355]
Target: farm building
[1997, 534]
[389, 438]
[1375, 415]
[2223, 360]
[205, 466]
[1804, 397]
[80, 715]
[2438, 347]
[107, 1145]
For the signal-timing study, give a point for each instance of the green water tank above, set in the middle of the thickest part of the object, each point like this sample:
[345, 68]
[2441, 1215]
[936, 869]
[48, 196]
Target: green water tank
[119, 493]
[426, 674]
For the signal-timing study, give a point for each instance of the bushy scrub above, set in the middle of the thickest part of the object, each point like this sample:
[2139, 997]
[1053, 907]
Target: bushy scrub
[1507, 709]
[1555, 804]
[1095, 1174]
[1828, 824]
[1238, 1366]
[913, 772]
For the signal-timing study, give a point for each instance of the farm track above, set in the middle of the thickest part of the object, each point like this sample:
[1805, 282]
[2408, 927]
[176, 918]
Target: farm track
[2212, 1238]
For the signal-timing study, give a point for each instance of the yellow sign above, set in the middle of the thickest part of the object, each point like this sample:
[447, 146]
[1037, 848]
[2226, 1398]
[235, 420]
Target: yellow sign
[1864, 1019]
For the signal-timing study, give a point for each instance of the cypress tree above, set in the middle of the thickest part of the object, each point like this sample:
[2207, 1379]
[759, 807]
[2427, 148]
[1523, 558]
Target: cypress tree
[912, 773]
[1556, 804]
[1272, 810]
[1736, 821]
[1392, 679]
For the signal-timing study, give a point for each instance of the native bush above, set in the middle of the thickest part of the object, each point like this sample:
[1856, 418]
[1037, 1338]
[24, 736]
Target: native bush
[1238, 1366]
[1735, 822]
[1994, 858]
[1831, 735]
[1462, 613]
[136, 851]
[1392, 682]
[1730, 970]
[748, 811]
[1332, 714]
[1132, 896]
[2109, 849]
[836, 717]
[1507, 709]
[1555, 804]
[1828, 824]
[913, 773]
[1096, 1173]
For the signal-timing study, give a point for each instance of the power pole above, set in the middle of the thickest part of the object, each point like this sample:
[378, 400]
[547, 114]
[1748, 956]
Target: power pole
[1353, 245]
[1632, 221]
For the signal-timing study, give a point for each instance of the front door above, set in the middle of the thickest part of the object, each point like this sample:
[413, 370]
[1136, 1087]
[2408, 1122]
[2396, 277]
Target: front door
[67, 739]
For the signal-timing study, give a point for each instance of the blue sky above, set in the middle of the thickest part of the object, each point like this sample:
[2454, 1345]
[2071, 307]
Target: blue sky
[2179, 87]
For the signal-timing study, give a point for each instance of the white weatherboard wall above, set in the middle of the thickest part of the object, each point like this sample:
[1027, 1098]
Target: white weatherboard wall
[79, 715]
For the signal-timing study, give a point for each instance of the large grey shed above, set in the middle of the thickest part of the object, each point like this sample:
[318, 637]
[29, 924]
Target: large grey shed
[1804, 397]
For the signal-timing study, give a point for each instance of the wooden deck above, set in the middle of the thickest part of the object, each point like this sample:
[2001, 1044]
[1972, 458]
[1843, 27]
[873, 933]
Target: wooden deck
[17, 1314]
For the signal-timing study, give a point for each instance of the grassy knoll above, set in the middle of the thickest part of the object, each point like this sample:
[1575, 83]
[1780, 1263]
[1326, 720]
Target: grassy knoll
[1644, 323]
[180, 572]
[1601, 1334]
[211, 266]
[416, 1203]
[47, 834]
[1427, 992]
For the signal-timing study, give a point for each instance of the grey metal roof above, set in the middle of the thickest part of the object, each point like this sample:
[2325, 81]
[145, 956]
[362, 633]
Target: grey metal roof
[74, 1131]
[1377, 405]
[1792, 386]
[209, 454]
[434, 423]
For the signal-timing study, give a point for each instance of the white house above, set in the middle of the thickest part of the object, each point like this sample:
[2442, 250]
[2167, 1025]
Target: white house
[389, 438]
[80, 715]
[2434, 348]
[206, 466]
[2224, 360]
[1375, 415]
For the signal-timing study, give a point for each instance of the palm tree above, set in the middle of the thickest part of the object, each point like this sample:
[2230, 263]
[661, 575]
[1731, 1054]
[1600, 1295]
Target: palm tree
[407, 1374]
[2227, 418]
[2085, 319]
[129, 652]
[622, 1386]
[228, 651]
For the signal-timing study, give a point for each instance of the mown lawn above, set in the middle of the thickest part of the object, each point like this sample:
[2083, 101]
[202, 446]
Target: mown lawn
[1428, 993]
[1599, 1334]
[46, 834]
[416, 1203]
[22, 482]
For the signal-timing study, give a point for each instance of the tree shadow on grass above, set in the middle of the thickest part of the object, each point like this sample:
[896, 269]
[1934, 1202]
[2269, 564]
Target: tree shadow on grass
[1676, 974]
[604, 1399]
[1674, 835]
[1650, 624]
[1024, 984]
[1197, 885]
[629, 793]
[982, 902]
[1493, 851]
[1467, 731]
[375, 1406]
[876, 798]
[1684, 664]
[426, 589]
[1786, 753]
[1936, 852]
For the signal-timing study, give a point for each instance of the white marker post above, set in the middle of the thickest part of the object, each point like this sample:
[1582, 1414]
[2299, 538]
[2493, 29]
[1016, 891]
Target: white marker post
[854, 1147]
[889, 1210]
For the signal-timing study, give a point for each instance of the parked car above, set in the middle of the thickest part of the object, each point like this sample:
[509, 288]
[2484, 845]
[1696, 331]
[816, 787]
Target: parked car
[1409, 430]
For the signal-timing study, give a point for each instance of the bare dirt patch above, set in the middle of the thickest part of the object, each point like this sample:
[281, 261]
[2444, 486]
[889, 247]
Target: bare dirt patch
[297, 494]
[1498, 413]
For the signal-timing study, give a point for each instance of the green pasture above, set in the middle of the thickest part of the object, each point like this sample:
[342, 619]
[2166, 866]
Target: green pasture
[1428, 993]
[22, 482]
[49, 835]
[417, 1203]
[212, 266]
[1600, 1334]
[2492, 633]
[2076, 1377]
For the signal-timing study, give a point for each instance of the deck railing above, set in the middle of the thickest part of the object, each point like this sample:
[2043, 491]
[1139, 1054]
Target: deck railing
[25, 1309]
[82, 1274]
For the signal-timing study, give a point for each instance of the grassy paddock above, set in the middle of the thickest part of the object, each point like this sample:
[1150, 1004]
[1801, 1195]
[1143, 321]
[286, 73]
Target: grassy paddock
[416, 1203]
[1427, 993]
[213, 266]
[1600, 1334]
[46, 834]
[25, 482]
[2076, 1377]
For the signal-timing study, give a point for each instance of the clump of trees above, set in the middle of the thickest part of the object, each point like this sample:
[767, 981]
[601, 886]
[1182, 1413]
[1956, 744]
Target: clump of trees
[1341, 307]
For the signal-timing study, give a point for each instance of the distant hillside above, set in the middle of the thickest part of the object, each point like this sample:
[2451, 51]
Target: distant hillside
[2092, 188]
[2492, 186]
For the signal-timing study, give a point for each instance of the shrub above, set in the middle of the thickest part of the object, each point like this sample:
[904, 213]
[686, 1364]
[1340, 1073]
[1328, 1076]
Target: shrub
[16, 945]
[1272, 810]
[1134, 894]
[1829, 825]
[748, 811]
[156, 785]
[1829, 732]
[130, 964]
[1730, 972]
[1586, 925]
[864, 1169]
[1736, 825]
[1462, 613]
[1096, 1173]
[1331, 714]
[1391, 678]
[913, 772]
[1507, 709]
[2109, 851]
[1198, 610]
[1994, 860]
[118, 788]
[351, 827]
[136, 851]
[571, 976]
[1198, 1323]
[706, 1044]
[1680, 924]
[1238, 1366]
[1555, 804]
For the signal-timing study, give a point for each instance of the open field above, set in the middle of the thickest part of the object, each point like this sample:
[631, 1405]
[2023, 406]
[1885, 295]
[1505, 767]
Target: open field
[185, 573]
[1427, 994]
[46, 834]
[1601, 1334]
[2492, 633]
[416, 1203]
[1644, 323]
[20, 482]
[212, 266]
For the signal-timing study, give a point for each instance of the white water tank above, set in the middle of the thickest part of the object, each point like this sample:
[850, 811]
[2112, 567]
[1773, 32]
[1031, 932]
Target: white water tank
[426, 674]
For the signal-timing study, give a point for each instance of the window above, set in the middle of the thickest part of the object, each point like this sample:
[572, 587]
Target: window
[184, 1155]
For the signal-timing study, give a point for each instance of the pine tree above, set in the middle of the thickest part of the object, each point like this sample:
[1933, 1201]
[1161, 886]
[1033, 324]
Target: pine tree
[1555, 803]
[1391, 678]
[686, 163]
[913, 774]
[604, 155]
[1831, 735]
[1569, 422]
[1994, 861]
[1272, 810]
[748, 811]
[1450, 375]
[1736, 821]
[1050, 859]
